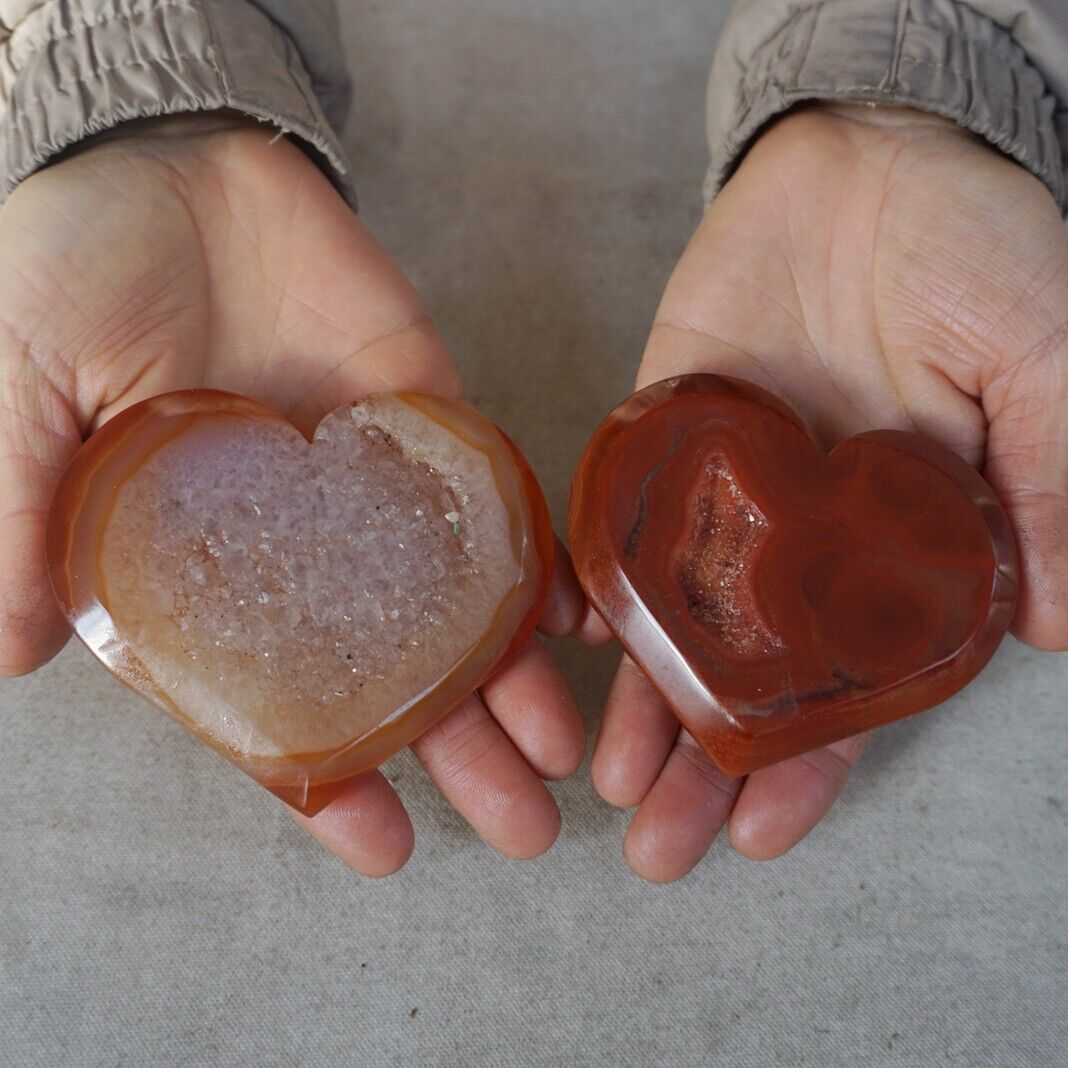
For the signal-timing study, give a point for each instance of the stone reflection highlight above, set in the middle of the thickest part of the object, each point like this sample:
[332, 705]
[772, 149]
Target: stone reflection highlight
[307, 609]
[798, 596]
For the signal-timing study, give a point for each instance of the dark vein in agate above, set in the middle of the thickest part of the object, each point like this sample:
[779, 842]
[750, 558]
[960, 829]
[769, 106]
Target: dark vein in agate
[630, 545]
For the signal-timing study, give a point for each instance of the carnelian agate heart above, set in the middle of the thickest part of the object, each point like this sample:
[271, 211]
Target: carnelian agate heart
[779, 597]
[305, 609]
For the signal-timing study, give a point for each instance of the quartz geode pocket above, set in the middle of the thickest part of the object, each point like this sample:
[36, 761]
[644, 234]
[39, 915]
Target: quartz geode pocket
[305, 608]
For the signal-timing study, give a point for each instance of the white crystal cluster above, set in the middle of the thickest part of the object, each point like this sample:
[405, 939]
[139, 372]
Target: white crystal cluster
[317, 588]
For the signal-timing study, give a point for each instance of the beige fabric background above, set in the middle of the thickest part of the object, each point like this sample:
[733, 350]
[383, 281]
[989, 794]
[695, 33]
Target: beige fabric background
[537, 169]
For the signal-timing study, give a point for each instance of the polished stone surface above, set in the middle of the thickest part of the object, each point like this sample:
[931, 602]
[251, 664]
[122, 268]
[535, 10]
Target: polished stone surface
[537, 169]
[307, 610]
[780, 597]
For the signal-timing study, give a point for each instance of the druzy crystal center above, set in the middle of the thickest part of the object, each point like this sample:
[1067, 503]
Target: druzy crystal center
[317, 577]
[714, 568]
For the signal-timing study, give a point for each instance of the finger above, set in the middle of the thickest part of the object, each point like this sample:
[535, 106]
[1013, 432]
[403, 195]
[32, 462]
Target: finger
[681, 815]
[593, 630]
[476, 767]
[566, 606]
[567, 611]
[532, 701]
[1027, 464]
[38, 436]
[779, 805]
[366, 827]
[636, 735]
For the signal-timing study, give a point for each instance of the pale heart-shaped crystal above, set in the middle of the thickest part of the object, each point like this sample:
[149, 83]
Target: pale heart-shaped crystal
[305, 609]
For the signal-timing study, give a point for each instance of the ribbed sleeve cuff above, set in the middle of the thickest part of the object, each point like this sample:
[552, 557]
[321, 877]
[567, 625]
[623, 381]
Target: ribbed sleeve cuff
[169, 58]
[942, 57]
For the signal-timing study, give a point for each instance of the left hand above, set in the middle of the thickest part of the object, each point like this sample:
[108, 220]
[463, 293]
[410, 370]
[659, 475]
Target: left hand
[874, 268]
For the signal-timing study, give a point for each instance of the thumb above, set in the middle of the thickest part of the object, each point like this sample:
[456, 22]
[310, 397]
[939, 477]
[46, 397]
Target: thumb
[1027, 464]
[38, 436]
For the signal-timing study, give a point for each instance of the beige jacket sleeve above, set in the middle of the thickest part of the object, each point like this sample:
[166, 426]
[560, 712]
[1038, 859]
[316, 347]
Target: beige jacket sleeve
[71, 68]
[997, 67]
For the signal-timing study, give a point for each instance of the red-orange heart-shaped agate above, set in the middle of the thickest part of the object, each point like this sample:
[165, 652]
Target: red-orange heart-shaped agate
[780, 597]
[306, 609]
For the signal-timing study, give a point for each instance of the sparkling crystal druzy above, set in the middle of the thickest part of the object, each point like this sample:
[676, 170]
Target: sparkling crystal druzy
[306, 609]
[780, 597]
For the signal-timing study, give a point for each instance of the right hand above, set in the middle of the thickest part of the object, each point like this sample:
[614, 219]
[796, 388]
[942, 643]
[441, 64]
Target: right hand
[196, 252]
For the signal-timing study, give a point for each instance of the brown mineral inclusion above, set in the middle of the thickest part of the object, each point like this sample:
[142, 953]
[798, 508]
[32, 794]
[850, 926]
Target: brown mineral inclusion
[306, 609]
[780, 597]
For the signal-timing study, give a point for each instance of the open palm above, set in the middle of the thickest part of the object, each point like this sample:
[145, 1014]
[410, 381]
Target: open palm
[200, 252]
[875, 268]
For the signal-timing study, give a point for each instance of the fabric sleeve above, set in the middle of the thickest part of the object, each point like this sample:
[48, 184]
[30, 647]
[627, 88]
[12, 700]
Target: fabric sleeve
[73, 68]
[997, 67]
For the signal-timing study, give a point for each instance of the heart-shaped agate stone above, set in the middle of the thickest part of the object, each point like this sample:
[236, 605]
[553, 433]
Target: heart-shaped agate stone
[306, 609]
[780, 597]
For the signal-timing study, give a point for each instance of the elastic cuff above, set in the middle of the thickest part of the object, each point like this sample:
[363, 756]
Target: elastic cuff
[171, 58]
[942, 58]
